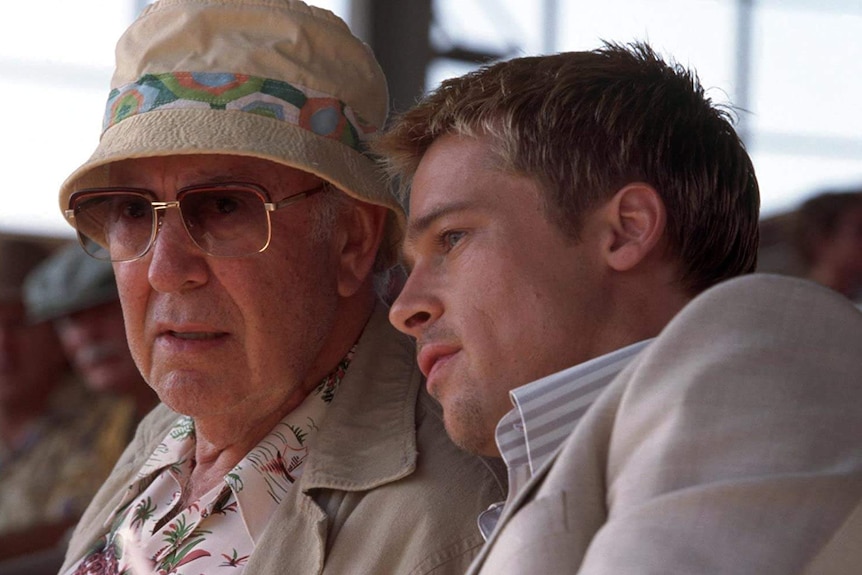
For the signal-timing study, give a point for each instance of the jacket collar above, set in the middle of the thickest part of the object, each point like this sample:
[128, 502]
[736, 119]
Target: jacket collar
[374, 442]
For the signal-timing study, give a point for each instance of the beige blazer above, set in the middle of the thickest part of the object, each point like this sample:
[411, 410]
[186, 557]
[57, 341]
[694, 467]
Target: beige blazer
[732, 444]
[384, 489]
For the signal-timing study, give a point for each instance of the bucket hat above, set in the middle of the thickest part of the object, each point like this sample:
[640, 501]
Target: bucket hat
[272, 79]
[67, 282]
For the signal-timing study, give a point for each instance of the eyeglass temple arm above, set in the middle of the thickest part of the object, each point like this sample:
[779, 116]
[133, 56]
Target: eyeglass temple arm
[272, 206]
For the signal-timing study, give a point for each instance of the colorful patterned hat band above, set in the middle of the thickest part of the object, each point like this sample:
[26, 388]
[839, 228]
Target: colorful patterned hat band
[309, 109]
[277, 80]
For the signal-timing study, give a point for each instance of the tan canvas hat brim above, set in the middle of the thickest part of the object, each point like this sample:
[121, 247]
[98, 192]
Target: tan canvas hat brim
[272, 79]
[206, 131]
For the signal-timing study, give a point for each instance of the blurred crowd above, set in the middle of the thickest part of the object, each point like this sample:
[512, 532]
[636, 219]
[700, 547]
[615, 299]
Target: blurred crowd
[70, 393]
[820, 240]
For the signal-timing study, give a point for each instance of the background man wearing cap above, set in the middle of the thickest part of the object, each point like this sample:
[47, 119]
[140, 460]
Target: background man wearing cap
[78, 294]
[564, 211]
[57, 443]
[245, 222]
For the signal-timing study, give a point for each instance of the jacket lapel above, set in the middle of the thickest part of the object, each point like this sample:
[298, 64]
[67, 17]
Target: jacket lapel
[374, 441]
[518, 501]
[368, 439]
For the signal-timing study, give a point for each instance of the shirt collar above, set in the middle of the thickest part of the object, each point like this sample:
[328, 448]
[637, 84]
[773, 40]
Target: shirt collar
[374, 442]
[261, 478]
[269, 471]
[547, 410]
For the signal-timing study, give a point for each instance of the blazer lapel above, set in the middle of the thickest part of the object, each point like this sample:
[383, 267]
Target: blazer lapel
[843, 553]
[520, 499]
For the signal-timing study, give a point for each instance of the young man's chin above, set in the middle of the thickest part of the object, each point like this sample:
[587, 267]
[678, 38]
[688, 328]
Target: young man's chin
[472, 438]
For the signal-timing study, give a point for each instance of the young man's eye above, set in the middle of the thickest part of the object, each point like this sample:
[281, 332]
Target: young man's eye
[450, 238]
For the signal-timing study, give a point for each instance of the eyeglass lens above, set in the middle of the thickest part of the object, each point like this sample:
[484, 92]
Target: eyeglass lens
[222, 222]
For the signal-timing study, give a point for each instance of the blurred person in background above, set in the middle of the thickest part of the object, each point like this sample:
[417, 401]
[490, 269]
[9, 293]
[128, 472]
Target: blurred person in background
[27, 372]
[57, 442]
[32, 370]
[79, 295]
[827, 236]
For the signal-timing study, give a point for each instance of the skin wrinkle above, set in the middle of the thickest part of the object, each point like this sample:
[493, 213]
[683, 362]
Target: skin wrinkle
[293, 300]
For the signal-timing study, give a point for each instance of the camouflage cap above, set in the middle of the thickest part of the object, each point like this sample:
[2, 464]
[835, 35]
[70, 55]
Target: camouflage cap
[67, 282]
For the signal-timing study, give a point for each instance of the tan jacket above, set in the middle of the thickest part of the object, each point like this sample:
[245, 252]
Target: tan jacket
[732, 445]
[384, 491]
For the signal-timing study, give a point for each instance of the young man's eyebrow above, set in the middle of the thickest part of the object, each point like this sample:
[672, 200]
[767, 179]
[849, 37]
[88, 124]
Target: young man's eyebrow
[416, 227]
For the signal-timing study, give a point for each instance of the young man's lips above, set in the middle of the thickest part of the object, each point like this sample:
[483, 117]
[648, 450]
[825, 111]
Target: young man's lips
[431, 353]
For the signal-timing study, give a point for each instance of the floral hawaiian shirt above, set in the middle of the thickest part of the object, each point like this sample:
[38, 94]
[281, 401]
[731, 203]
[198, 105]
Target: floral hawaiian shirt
[218, 532]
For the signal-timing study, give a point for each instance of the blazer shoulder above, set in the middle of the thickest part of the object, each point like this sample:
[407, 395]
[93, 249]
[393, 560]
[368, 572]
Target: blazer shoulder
[780, 311]
[770, 296]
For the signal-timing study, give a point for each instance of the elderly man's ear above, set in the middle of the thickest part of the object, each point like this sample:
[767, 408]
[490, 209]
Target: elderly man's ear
[359, 234]
[635, 220]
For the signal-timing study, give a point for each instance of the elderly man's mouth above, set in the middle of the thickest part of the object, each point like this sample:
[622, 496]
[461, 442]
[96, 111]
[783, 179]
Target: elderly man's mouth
[196, 335]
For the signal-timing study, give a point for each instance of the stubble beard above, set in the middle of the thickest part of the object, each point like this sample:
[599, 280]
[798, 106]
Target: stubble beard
[468, 425]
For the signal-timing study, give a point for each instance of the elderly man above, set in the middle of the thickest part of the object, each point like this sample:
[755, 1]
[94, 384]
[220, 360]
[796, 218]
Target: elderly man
[573, 219]
[78, 294]
[245, 223]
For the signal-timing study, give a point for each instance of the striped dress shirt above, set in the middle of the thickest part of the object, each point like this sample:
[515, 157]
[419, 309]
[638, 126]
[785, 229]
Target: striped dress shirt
[545, 414]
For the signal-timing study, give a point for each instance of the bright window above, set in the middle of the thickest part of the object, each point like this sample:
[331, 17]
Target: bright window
[56, 61]
[802, 127]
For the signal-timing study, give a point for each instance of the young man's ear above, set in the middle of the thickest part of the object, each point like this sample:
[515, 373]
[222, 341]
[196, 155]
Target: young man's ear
[361, 232]
[637, 219]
